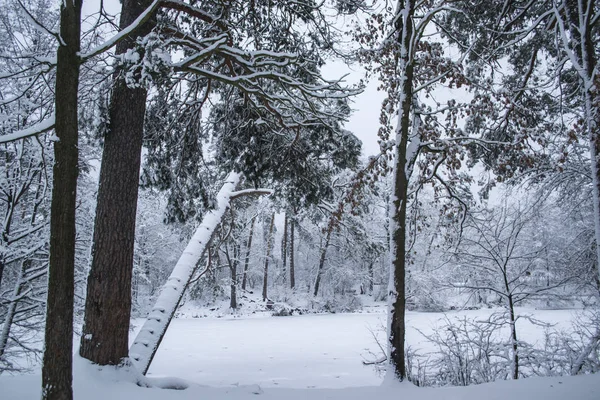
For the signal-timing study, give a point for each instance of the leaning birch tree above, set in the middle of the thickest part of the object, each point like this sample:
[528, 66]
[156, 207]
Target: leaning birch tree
[276, 77]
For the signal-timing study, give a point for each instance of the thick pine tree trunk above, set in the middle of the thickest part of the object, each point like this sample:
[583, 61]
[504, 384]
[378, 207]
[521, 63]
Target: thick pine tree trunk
[57, 367]
[247, 258]
[397, 290]
[267, 259]
[108, 302]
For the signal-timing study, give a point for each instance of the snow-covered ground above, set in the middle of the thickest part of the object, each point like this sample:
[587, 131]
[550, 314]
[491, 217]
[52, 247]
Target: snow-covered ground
[282, 357]
[307, 351]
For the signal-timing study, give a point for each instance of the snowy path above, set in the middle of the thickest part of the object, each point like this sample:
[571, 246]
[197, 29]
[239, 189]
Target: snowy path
[322, 351]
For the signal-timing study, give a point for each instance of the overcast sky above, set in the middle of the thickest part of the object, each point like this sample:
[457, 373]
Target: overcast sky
[364, 122]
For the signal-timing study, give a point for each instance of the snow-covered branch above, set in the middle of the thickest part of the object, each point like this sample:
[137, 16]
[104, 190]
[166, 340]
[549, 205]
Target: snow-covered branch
[139, 21]
[250, 192]
[34, 130]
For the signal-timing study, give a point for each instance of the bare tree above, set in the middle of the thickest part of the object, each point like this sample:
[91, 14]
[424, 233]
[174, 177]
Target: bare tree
[496, 256]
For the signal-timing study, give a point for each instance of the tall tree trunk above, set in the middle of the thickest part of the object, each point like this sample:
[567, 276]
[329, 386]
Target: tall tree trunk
[292, 250]
[592, 100]
[105, 335]
[284, 245]
[57, 366]
[322, 258]
[580, 41]
[267, 259]
[397, 289]
[582, 29]
[247, 258]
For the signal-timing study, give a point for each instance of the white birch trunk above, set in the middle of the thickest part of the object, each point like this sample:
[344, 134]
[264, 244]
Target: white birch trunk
[146, 343]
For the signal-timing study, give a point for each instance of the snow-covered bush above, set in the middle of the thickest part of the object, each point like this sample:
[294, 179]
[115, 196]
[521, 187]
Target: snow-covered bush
[568, 352]
[469, 351]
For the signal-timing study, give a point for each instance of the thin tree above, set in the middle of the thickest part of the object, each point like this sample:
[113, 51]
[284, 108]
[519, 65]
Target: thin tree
[268, 252]
[248, 250]
[57, 367]
[292, 252]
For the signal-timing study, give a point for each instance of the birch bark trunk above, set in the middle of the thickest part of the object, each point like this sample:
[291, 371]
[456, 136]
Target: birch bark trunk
[148, 340]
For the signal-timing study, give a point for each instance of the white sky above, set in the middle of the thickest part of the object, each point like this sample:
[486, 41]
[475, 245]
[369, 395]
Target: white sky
[364, 122]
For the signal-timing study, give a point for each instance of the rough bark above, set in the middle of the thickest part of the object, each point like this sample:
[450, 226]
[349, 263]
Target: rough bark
[247, 258]
[57, 367]
[108, 302]
[268, 258]
[399, 198]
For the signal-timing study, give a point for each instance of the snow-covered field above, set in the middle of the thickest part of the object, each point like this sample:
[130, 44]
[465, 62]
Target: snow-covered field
[277, 357]
[308, 351]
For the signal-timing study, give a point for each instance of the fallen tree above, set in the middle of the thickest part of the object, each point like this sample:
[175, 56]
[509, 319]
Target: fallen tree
[148, 340]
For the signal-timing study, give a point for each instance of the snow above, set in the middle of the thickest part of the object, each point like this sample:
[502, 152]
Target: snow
[143, 17]
[316, 356]
[308, 351]
[295, 352]
[36, 129]
[91, 385]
